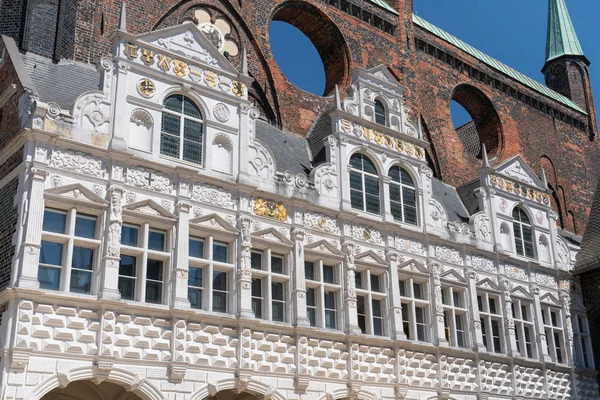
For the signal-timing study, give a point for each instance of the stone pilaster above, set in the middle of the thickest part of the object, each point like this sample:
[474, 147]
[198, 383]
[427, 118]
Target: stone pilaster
[477, 329]
[511, 342]
[395, 304]
[350, 299]
[109, 287]
[386, 206]
[28, 275]
[244, 273]
[565, 299]
[181, 267]
[299, 289]
[438, 306]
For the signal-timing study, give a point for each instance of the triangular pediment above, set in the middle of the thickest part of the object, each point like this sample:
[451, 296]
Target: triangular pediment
[487, 283]
[549, 298]
[370, 257]
[188, 42]
[413, 266]
[521, 292]
[272, 235]
[214, 222]
[324, 247]
[517, 169]
[76, 192]
[452, 275]
[151, 208]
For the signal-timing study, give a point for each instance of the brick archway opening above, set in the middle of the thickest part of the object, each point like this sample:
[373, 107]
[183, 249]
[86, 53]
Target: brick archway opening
[485, 127]
[324, 35]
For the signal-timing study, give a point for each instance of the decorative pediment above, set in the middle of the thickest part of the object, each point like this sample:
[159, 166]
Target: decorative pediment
[413, 266]
[324, 246]
[487, 283]
[187, 41]
[549, 298]
[519, 291]
[517, 169]
[452, 275]
[380, 78]
[214, 222]
[272, 235]
[370, 257]
[151, 208]
[75, 192]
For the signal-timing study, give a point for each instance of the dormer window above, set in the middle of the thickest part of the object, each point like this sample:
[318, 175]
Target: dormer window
[181, 132]
[380, 114]
[403, 199]
[523, 233]
[364, 184]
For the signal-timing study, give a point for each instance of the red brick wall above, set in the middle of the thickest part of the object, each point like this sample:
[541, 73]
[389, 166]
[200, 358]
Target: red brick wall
[10, 123]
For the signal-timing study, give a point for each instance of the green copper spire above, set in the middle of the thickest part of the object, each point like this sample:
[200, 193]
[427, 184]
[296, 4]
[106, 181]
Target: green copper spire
[562, 39]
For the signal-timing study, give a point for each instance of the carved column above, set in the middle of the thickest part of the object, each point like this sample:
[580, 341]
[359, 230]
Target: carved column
[566, 302]
[299, 298]
[244, 274]
[543, 340]
[34, 219]
[396, 304]
[438, 304]
[109, 287]
[510, 320]
[476, 322]
[350, 293]
[181, 267]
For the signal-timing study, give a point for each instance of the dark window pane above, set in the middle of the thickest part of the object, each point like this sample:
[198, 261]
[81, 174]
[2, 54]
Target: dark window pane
[49, 278]
[83, 258]
[362, 323]
[153, 292]
[174, 103]
[480, 303]
[310, 297]
[54, 221]
[154, 270]
[418, 291]
[127, 265]
[377, 308]
[127, 288]
[169, 145]
[51, 253]
[196, 277]
[372, 204]
[360, 309]
[328, 274]
[356, 161]
[375, 286]
[129, 235]
[277, 291]
[85, 226]
[372, 186]
[171, 124]
[257, 287]
[191, 109]
[406, 179]
[402, 285]
[380, 117]
[192, 151]
[278, 311]
[312, 316]
[81, 281]
[356, 182]
[368, 166]
[395, 193]
[219, 302]
[309, 270]
[220, 281]
[356, 200]
[192, 130]
[256, 260]
[156, 240]
[419, 315]
[277, 264]
[330, 300]
[195, 296]
[196, 248]
[410, 215]
[358, 280]
[220, 252]
[377, 326]
[330, 319]
[492, 303]
[457, 298]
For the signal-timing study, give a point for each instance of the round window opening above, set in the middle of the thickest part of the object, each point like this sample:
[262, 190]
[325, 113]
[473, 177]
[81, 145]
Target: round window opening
[309, 49]
[476, 121]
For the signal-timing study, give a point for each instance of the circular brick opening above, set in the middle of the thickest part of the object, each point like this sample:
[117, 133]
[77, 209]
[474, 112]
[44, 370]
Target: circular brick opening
[325, 37]
[484, 127]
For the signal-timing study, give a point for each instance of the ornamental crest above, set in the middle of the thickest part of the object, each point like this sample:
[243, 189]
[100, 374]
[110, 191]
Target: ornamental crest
[265, 208]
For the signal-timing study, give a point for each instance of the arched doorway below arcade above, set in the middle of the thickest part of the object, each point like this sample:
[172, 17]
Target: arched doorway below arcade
[88, 390]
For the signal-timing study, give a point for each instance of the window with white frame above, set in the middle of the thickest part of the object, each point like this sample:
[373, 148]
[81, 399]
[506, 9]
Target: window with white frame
[69, 250]
[523, 233]
[380, 113]
[454, 301]
[490, 316]
[364, 184]
[270, 285]
[524, 327]
[181, 132]
[323, 293]
[403, 196]
[210, 271]
[583, 343]
[414, 296]
[553, 327]
[371, 301]
[144, 263]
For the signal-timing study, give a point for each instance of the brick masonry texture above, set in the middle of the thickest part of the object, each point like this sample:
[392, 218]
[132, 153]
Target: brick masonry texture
[8, 225]
[13, 161]
[10, 121]
[529, 124]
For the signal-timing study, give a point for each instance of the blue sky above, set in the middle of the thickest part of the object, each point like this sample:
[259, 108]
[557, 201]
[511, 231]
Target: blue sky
[513, 31]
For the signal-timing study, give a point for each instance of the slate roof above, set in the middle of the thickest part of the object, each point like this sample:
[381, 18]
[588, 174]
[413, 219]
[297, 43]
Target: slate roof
[290, 151]
[589, 256]
[467, 195]
[449, 198]
[62, 82]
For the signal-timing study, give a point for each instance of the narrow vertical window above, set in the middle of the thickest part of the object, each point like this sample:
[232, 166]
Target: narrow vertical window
[322, 294]
[364, 184]
[523, 233]
[270, 285]
[181, 135]
[415, 308]
[403, 197]
[380, 114]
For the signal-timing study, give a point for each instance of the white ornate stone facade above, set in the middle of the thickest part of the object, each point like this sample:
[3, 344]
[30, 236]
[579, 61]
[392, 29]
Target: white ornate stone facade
[173, 351]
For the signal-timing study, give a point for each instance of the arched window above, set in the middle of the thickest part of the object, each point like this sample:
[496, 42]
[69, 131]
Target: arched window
[523, 233]
[364, 184]
[380, 116]
[403, 199]
[181, 132]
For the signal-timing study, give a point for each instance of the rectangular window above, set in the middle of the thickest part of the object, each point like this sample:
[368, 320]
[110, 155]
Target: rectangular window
[81, 270]
[270, 285]
[127, 276]
[257, 297]
[196, 287]
[311, 306]
[130, 235]
[196, 247]
[328, 274]
[375, 283]
[309, 271]
[455, 315]
[256, 260]
[330, 310]
[524, 327]
[154, 281]
[51, 258]
[85, 226]
[277, 264]
[220, 291]
[362, 316]
[156, 240]
[377, 318]
[554, 333]
[220, 251]
[322, 294]
[54, 221]
[415, 308]
[491, 321]
[278, 301]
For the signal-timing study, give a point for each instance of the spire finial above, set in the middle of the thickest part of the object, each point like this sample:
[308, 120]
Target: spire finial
[561, 37]
[336, 95]
[485, 163]
[244, 62]
[123, 18]
[544, 179]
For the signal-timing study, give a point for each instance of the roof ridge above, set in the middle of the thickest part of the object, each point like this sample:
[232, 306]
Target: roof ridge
[496, 64]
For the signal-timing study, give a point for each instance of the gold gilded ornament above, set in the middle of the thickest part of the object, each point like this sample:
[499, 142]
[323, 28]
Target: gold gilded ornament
[180, 68]
[210, 78]
[148, 56]
[410, 149]
[321, 222]
[164, 63]
[146, 87]
[131, 50]
[270, 209]
[238, 88]
[493, 180]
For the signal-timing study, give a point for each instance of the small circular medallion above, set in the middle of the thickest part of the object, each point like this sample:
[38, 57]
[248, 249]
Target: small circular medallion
[146, 87]
[221, 112]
